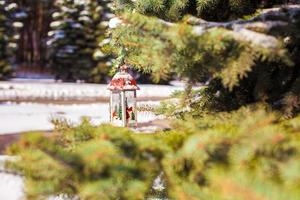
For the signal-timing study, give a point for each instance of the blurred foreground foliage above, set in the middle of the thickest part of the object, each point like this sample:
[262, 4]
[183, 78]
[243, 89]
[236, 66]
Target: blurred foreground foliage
[251, 153]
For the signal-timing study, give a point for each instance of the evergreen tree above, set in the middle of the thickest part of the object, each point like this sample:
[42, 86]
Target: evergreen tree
[216, 10]
[101, 13]
[32, 48]
[251, 153]
[78, 28]
[9, 26]
[240, 61]
[109, 167]
[70, 49]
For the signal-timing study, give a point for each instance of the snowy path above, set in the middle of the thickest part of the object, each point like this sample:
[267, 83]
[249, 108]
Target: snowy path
[11, 186]
[31, 116]
[22, 117]
[73, 91]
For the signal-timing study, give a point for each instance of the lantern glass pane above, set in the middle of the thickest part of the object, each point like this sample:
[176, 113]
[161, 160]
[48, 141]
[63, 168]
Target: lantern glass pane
[130, 107]
[116, 108]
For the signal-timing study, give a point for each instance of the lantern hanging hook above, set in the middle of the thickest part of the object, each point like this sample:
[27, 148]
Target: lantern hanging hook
[124, 68]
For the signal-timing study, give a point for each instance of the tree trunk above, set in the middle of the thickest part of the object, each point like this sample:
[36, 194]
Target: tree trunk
[32, 52]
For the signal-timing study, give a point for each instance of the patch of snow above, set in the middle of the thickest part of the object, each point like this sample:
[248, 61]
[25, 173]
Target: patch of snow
[57, 34]
[147, 129]
[114, 22]
[68, 10]
[11, 187]
[104, 42]
[47, 90]
[261, 39]
[84, 18]
[20, 15]
[18, 24]
[56, 15]
[32, 116]
[12, 45]
[109, 15]
[98, 54]
[55, 24]
[85, 12]
[29, 116]
[159, 183]
[76, 25]
[16, 37]
[11, 6]
[80, 2]
[62, 197]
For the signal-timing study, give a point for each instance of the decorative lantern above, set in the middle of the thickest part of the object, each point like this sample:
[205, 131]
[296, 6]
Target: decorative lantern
[123, 98]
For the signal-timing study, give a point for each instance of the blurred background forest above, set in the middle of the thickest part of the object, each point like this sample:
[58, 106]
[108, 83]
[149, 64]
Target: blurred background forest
[67, 40]
[60, 39]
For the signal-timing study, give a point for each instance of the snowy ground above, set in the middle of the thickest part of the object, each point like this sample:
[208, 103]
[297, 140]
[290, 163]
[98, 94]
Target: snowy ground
[73, 91]
[22, 117]
[11, 186]
[30, 116]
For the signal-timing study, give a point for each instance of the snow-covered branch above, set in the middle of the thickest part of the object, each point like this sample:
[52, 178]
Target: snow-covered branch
[255, 29]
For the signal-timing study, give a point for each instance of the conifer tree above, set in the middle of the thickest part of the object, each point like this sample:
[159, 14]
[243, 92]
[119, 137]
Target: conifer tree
[241, 61]
[101, 13]
[215, 10]
[32, 48]
[9, 25]
[70, 48]
[78, 28]
[247, 154]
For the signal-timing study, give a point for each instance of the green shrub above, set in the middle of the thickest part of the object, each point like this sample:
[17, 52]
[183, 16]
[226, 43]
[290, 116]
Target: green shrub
[92, 162]
[250, 153]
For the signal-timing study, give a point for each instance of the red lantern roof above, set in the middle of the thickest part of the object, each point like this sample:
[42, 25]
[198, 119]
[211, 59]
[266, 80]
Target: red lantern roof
[123, 81]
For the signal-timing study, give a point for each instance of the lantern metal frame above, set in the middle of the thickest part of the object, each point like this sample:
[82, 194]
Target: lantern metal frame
[123, 83]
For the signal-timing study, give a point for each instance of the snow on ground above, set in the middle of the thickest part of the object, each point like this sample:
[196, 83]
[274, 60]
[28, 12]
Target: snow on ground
[32, 116]
[11, 186]
[75, 91]
[22, 117]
